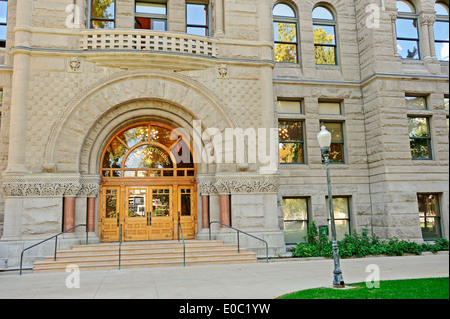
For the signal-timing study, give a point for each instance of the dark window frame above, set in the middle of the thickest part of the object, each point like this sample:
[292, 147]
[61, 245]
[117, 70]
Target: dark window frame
[437, 217]
[327, 23]
[288, 20]
[299, 142]
[428, 138]
[206, 26]
[307, 220]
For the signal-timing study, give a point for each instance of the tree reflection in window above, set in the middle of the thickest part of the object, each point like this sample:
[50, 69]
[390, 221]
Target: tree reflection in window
[324, 33]
[103, 14]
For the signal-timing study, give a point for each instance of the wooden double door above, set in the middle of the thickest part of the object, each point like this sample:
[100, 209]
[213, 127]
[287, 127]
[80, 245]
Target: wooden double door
[141, 213]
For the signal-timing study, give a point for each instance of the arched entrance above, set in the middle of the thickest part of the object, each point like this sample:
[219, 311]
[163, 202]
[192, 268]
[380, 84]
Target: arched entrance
[148, 185]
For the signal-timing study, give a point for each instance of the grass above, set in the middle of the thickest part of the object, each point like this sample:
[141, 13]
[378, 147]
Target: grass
[431, 288]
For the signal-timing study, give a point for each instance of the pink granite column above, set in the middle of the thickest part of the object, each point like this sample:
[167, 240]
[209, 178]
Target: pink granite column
[225, 209]
[69, 213]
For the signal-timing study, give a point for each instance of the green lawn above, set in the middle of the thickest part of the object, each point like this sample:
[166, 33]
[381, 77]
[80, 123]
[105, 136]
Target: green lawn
[432, 288]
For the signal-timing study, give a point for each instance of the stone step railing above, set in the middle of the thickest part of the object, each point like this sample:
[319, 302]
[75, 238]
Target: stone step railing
[148, 40]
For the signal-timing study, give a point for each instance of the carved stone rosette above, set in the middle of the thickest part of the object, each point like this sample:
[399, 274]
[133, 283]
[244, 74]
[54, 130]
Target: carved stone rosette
[50, 186]
[238, 184]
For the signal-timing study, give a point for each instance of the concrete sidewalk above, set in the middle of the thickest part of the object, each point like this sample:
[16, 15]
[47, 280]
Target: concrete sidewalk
[235, 281]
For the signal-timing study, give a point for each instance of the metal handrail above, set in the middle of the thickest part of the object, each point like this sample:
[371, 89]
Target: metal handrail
[238, 232]
[120, 245]
[180, 229]
[56, 242]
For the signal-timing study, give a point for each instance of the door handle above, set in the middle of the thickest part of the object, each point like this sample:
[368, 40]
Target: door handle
[118, 219]
[149, 218]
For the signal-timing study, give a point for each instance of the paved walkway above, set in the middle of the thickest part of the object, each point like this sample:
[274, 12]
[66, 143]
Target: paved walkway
[235, 281]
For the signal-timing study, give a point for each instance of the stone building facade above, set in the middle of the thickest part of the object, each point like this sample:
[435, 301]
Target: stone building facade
[78, 76]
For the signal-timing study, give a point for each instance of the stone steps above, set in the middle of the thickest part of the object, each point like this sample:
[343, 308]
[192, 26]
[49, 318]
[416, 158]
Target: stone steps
[145, 254]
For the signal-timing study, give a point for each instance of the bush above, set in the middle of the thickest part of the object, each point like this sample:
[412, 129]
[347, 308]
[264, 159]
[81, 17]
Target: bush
[361, 245]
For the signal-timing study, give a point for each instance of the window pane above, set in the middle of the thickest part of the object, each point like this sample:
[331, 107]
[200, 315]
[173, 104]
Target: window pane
[136, 203]
[201, 31]
[342, 228]
[295, 208]
[441, 9]
[405, 6]
[408, 49]
[285, 53]
[186, 202]
[446, 103]
[441, 30]
[291, 153]
[285, 32]
[3, 11]
[151, 8]
[161, 203]
[418, 127]
[341, 214]
[103, 9]
[442, 51]
[196, 14]
[99, 24]
[295, 231]
[148, 156]
[325, 55]
[329, 108]
[289, 107]
[429, 215]
[324, 34]
[159, 25]
[416, 103]
[290, 131]
[336, 132]
[283, 10]
[3, 32]
[420, 148]
[111, 204]
[407, 28]
[322, 13]
[295, 211]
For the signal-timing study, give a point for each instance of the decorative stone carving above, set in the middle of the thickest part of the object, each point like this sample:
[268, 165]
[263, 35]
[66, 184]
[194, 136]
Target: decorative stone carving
[238, 184]
[50, 186]
[223, 71]
[74, 64]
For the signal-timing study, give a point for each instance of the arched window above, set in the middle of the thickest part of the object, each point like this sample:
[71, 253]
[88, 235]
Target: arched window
[324, 29]
[285, 33]
[441, 27]
[407, 30]
[147, 150]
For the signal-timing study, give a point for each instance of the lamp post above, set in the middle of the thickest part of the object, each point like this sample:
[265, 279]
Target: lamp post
[324, 138]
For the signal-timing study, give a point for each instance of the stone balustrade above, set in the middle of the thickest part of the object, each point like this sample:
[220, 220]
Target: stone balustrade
[148, 40]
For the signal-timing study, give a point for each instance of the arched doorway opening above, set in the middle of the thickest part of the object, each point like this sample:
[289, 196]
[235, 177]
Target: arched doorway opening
[148, 185]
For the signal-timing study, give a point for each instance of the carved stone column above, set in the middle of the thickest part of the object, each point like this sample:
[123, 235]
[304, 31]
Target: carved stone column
[425, 21]
[219, 15]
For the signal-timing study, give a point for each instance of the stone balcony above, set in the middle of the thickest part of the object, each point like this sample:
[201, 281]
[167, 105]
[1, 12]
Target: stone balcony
[148, 40]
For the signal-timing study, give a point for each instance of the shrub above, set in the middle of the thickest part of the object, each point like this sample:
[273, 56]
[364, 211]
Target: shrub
[361, 245]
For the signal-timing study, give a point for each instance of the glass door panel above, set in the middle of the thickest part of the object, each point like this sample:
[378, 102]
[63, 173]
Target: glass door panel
[161, 213]
[136, 221]
[110, 215]
[186, 210]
